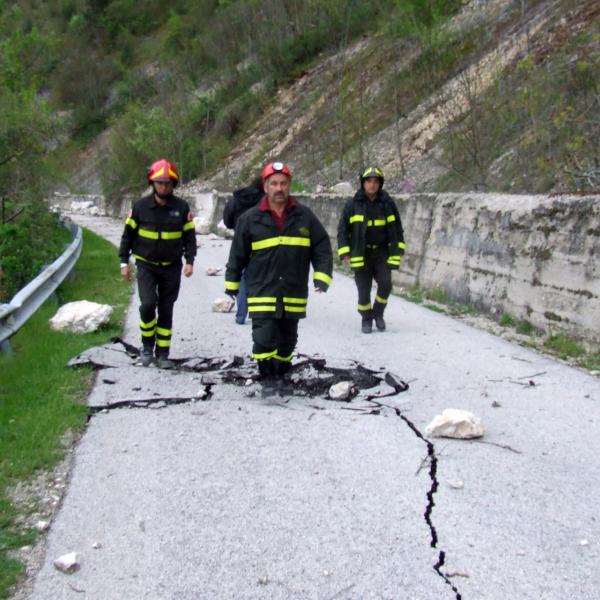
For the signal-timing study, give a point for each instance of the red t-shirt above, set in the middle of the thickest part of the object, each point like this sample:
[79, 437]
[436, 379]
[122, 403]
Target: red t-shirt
[278, 220]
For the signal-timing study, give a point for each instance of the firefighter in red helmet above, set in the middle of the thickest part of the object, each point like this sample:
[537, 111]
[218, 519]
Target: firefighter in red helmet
[158, 233]
[275, 243]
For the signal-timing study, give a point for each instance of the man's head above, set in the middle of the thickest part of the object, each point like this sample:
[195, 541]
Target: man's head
[163, 177]
[371, 181]
[277, 181]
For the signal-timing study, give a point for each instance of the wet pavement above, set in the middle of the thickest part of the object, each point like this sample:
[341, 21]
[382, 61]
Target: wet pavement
[198, 483]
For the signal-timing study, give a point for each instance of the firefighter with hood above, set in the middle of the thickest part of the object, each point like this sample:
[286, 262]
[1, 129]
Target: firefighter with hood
[159, 232]
[237, 205]
[371, 240]
[275, 243]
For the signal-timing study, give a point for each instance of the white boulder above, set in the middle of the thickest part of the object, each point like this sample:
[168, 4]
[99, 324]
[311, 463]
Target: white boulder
[81, 316]
[68, 563]
[202, 225]
[42, 526]
[455, 423]
[341, 390]
[212, 271]
[344, 188]
[223, 305]
[81, 206]
[224, 231]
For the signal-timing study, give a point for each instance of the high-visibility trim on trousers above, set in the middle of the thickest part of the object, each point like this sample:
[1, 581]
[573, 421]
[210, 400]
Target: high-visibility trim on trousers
[264, 355]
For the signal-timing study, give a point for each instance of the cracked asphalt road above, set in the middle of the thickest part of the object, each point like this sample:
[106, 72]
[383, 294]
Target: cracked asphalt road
[241, 496]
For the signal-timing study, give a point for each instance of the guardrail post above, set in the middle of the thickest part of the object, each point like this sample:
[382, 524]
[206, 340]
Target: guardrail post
[6, 348]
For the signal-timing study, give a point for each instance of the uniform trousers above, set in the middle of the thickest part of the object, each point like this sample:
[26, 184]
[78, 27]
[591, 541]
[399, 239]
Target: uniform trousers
[376, 268]
[158, 288]
[274, 342]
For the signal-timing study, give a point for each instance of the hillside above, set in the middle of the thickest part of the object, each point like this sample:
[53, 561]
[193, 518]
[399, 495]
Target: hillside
[463, 129]
[500, 95]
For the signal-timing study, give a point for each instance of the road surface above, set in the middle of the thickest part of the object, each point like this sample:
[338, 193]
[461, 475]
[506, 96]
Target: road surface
[292, 496]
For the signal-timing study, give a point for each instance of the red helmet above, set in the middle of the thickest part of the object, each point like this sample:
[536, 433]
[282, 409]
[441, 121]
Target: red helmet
[163, 170]
[275, 167]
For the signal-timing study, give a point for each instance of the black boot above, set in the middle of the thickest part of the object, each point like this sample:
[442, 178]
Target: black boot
[147, 356]
[379, 322]
[163, 361]
[283, 367]
[267, 369]
[367, 325]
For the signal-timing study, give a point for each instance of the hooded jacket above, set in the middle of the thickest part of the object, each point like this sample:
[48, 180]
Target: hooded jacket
[242, 200]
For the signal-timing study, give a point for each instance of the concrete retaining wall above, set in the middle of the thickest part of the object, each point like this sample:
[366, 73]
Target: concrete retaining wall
[533, 257]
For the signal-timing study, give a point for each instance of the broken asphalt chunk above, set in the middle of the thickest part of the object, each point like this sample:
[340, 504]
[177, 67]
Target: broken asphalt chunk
[395, 382]
[100, 357]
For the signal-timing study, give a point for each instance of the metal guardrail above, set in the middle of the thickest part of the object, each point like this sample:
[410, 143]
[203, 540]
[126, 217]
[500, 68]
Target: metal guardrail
[24, 304]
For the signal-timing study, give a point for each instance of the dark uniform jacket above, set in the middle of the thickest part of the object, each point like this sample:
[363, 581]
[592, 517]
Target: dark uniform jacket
[365, 224]
[277, 263]
[157, 234]
[242, 200]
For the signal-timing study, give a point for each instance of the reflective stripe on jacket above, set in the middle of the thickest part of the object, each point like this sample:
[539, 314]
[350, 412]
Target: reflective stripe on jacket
[159, 235]
[352, 230]
[276, 264]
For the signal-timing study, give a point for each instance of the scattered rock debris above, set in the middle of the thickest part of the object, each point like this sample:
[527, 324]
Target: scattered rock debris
[68, 563]
[455, 423]
[223, 305]
[341, 391]
[456, 484]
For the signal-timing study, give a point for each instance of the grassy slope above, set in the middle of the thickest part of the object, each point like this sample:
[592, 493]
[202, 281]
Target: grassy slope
[40, 398]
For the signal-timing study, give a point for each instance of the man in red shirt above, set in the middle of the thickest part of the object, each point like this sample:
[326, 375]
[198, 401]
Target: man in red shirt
[275, 243]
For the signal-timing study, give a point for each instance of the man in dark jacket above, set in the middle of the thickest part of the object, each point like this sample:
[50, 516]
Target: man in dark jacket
[239, 203]
[275, 243]
[158, 232]
[371, 240]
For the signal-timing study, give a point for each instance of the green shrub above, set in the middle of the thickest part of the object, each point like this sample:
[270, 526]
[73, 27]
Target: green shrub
[564, 346]
[524, 327]
[590, 360]
[437, 295]
[27, 243]
[506, 320]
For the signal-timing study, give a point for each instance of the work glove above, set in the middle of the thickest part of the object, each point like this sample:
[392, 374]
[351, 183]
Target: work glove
[232, 294]
[320, 287]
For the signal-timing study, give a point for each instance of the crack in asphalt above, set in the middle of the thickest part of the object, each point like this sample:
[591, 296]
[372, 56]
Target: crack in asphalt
[431, 503]
[398, 386]
[310, 377]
